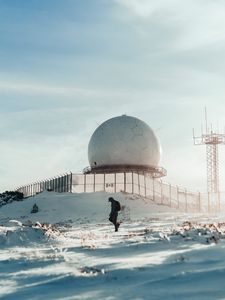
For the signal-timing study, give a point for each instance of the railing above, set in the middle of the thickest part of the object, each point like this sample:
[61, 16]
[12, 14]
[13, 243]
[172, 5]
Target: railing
[134, 183]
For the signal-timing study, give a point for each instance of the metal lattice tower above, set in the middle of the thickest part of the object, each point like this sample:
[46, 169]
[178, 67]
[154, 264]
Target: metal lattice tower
[211, 140]
[212, 165]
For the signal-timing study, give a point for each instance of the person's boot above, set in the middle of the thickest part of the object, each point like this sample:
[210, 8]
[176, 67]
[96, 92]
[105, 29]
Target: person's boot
[117, 226]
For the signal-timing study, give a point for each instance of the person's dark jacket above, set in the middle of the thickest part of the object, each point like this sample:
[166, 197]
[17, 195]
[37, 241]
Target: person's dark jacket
[115, 207]
[114, 210]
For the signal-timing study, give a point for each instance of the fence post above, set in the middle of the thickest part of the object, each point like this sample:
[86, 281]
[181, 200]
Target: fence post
[218, 201]
[139, 190]
[71, 182]
[178, 198]
[132, 182]
[63, 183]
[55, 184]
[161, 184]
[208, 203]
[186, 206]
[145, 185]
[104, 182]
[153, 188]
[124, 182]
[94, 182]
[85, 183]
[66, 183]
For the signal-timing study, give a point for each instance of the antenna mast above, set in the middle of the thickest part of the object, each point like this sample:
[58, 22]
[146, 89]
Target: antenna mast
[211, 139]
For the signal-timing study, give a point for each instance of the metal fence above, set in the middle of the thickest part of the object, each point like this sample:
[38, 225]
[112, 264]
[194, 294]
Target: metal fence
[133, 183]
[60, 184]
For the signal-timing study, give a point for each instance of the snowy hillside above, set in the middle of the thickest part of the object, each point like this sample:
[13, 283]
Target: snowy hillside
[157, 253]
[85, 207]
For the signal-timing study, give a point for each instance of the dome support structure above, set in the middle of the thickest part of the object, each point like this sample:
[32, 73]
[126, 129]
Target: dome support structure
[154, 172]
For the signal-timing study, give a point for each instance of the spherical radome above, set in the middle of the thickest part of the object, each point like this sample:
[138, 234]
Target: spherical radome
[124, 140]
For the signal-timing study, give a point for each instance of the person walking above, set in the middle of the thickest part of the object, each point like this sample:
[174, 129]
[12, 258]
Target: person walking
[115, 207]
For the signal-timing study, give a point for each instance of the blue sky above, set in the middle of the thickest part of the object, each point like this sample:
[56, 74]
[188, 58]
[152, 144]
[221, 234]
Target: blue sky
[68, 65]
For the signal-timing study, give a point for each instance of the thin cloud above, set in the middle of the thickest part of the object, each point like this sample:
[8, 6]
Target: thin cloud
[195, 23]
[34, 88]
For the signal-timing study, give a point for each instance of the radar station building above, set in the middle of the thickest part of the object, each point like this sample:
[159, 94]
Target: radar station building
[124, 156]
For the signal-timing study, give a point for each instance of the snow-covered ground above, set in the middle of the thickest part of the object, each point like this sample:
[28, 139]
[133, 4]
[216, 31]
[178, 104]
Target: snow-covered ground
[69, 250]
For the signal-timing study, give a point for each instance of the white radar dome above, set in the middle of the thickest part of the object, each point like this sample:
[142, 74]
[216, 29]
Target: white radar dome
[124, 141]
